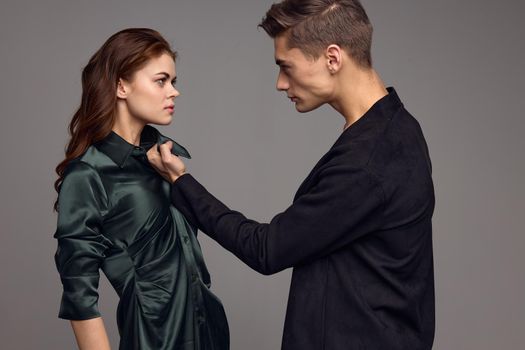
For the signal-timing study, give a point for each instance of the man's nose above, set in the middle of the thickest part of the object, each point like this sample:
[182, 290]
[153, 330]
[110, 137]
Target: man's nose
[282, 82]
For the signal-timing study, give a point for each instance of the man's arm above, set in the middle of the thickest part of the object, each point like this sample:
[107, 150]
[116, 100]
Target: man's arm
[344, 205]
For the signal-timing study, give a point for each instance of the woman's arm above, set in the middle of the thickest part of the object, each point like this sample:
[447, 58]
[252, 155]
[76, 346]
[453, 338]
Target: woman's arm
[81, 249]
[91, 334]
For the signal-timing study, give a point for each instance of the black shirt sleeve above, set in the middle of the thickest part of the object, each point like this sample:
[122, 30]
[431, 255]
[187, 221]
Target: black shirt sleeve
[344, 205]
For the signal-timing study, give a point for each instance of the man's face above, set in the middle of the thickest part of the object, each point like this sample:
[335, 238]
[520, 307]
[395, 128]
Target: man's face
[306, 82]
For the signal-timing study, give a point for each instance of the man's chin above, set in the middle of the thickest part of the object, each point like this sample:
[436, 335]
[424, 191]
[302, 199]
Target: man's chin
[301, 108]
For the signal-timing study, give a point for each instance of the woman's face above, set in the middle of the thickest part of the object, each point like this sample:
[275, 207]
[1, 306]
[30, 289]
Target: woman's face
[150, 94]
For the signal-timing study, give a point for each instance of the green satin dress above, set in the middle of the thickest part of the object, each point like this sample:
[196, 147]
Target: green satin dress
[115, 214]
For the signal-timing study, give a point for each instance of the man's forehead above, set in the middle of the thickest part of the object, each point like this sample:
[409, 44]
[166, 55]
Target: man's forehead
[282, 53]
[280, 44]
[290, 57]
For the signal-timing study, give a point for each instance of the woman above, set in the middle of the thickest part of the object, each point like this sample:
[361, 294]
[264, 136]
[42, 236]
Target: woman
[114, 210]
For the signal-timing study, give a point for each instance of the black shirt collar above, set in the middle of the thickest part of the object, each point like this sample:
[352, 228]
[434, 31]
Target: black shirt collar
[118, 149]
[381, 111]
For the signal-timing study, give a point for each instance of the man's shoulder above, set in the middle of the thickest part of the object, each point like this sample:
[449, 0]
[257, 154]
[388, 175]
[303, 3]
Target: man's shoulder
[394, 139]
[401, 152]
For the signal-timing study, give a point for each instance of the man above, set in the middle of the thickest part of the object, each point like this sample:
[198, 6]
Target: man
[359, 232]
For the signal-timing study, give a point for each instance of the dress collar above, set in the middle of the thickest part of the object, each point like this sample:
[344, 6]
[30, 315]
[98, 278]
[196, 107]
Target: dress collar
[118, 149]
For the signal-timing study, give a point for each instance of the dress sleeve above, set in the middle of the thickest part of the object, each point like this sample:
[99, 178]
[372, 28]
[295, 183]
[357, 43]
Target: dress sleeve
[345, 205]
[81, 245]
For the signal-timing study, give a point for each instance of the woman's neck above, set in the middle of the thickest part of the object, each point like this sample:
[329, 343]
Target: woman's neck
[128, 128]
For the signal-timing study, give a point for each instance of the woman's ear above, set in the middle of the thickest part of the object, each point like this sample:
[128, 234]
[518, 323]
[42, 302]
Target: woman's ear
[122, 89]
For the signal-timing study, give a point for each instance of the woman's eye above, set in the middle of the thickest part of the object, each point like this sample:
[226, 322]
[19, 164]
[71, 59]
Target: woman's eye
[161, 81]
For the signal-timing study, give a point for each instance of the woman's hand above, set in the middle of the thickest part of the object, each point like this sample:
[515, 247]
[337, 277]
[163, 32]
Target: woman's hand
[168, 165]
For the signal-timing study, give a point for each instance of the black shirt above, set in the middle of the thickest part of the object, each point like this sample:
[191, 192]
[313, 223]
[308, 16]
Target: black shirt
[358, 235]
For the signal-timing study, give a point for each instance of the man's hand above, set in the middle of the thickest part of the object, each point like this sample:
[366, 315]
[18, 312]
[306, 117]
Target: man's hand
[166, 163]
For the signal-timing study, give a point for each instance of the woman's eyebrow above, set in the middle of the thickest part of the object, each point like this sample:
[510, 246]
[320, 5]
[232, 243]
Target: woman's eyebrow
[163, 73]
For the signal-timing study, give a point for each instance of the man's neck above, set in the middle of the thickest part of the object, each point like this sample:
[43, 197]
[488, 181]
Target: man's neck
[356, 95]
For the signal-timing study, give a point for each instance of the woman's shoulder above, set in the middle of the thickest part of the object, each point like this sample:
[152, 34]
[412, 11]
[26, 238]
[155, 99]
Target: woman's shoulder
[81, 177]
[84, 164]
[81, 187]
[79, 171]
[91, 158]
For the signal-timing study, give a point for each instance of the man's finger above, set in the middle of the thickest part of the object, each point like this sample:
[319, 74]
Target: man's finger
[165, 150]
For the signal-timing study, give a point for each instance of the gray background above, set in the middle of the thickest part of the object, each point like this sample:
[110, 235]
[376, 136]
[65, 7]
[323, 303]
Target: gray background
[457, 65]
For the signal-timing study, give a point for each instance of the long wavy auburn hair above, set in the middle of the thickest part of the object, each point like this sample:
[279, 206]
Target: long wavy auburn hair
[120, 56]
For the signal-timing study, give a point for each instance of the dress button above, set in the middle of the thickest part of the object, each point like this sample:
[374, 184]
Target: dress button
[186, 239]
[194, 276]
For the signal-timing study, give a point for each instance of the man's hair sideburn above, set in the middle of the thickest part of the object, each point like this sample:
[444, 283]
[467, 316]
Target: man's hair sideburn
[312, 25]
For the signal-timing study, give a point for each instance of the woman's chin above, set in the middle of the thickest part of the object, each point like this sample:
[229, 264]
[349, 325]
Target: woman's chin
[163, 121]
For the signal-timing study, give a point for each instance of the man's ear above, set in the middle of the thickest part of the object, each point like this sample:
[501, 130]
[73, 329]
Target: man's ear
[122, 89]
[333, 56]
